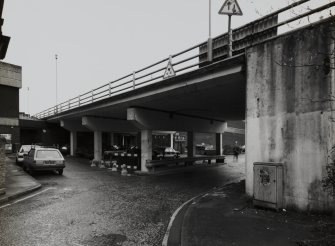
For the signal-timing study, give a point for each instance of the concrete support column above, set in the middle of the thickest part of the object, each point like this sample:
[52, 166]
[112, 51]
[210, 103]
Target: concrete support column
[218, 143]
[171, 140]
[73, 143]
[112, 139]
[146, 148]
[190, 144]
[97, 145]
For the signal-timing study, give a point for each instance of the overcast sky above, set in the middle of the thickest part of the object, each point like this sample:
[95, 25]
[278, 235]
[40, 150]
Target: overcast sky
[101, 40]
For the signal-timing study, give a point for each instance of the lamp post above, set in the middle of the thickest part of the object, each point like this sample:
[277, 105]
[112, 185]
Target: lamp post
[56, 59]
[28, 100]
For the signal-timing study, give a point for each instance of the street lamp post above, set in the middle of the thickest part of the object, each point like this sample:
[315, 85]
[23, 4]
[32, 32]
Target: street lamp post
[28, 100]
[56, 59]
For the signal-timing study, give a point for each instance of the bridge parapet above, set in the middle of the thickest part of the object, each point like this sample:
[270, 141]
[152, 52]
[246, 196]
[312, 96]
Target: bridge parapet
[188, 60]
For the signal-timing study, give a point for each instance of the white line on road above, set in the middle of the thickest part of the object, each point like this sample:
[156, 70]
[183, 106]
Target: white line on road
[4, 206]
[27, 197]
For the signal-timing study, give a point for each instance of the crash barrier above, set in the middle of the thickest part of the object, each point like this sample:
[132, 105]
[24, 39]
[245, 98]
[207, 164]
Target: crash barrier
[116, 160]
[152, 164]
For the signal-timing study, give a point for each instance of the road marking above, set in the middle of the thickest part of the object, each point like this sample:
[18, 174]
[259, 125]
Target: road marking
[4, 206]
[27, 197]
[174, 215]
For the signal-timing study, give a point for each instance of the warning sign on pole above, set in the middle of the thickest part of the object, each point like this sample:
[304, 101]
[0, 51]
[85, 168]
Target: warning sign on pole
[230, 7]
[169, 71]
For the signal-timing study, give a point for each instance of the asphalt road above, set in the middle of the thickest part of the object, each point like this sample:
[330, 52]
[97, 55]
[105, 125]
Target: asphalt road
[91, 206]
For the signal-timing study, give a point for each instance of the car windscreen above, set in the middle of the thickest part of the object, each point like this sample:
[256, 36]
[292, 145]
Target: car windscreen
[48, 154]
[25, 148]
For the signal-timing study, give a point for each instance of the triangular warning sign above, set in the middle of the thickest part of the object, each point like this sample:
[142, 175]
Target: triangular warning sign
[169, 72]
[230, 7]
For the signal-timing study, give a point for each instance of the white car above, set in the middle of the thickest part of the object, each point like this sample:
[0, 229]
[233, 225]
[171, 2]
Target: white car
[39, 159]
[22, 152]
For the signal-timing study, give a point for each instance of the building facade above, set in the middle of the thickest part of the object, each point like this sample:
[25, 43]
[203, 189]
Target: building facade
[10, 84]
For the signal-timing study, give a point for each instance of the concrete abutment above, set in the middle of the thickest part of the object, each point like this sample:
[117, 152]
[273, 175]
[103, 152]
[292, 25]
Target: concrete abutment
[289, 113]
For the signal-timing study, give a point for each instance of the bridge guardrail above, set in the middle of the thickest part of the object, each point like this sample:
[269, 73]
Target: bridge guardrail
[187, 60]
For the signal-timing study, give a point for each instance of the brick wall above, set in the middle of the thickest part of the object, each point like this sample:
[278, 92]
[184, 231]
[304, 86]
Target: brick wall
[2, 166]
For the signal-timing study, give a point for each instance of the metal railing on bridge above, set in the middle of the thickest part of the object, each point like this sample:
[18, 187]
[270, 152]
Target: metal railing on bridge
[188, 60]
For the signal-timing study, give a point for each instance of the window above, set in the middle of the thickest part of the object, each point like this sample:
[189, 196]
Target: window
[48, 154]
[25, 148]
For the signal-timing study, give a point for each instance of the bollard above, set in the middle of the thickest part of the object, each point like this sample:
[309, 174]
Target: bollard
[114, 168]
[102, 164]
[124, 171]
[94, 163]
[108, 165]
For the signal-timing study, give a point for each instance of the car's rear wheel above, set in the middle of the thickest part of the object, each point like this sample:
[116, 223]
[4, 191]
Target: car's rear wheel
[60, 171]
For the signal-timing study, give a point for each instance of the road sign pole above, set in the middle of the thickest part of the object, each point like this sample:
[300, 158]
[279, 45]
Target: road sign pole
[230, 38]
[209, 43]
[210, 19]
[230, 7]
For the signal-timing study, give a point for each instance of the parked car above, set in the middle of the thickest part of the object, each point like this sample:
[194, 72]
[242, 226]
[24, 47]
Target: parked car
[164, 152]
[23, 152]
[65, 149]
[40, 158]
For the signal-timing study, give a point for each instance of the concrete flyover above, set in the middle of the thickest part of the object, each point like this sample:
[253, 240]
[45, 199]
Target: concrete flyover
[200, 101]
[282, 86]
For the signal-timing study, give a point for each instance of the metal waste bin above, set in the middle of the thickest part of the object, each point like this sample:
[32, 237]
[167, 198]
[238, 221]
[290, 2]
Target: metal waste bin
[268, 185]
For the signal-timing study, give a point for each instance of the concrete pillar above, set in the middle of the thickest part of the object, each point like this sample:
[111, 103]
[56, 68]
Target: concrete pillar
[97, 145]
[112, 139]
[190, 144]
[146, 148]
[218, 144]
[171, 140]
[73, 143]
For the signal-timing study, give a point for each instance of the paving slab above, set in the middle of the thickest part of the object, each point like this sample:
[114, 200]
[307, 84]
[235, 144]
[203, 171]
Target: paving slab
[18, 182]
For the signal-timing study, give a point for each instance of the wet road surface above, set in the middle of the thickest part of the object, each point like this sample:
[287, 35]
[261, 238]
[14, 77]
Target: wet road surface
[91, 206]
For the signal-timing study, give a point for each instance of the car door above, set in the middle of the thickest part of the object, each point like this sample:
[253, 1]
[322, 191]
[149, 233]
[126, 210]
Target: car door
[29, 158]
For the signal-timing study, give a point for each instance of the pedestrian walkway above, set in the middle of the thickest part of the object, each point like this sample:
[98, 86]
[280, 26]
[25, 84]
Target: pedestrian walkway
[18, 182]
[226, 216]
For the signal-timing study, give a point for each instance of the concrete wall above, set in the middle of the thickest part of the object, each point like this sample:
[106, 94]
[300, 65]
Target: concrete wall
[9, 96]
[289, 115]
[2, 166]
[10, 75]
[10, 83]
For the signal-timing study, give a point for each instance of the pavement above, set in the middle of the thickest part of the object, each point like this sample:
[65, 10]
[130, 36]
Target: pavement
[226, 216]
[18, 182]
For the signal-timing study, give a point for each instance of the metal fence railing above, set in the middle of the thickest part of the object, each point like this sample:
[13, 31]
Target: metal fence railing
[185, 61]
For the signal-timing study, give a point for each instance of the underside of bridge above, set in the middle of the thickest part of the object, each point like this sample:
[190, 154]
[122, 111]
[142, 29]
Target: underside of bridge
[197, 102]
